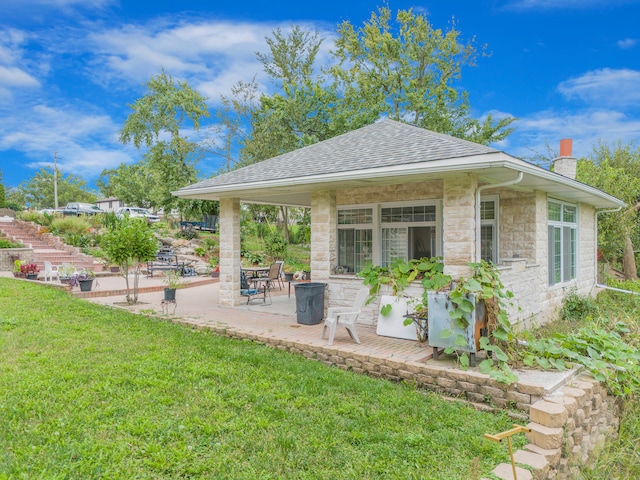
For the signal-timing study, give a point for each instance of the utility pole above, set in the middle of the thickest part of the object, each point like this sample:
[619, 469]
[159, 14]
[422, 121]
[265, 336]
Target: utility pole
[55, 180]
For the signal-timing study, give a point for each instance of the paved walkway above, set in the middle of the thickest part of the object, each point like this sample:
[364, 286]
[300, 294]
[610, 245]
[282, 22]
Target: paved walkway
[198, 306]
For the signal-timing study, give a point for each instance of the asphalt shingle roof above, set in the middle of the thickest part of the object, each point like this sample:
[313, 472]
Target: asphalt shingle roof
[383, 144]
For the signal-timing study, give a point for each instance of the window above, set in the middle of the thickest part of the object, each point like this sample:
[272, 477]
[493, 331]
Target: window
[355, 238]
[563, 241]
[388, 233]
[489, 230]
[408, 232]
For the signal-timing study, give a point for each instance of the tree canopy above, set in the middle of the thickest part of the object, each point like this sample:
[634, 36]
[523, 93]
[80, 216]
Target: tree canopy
[156, 123]
[38, 191]
[615, 169]
[400, 67]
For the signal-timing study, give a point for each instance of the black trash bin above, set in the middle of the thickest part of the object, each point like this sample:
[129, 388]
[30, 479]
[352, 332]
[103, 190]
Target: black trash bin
[310, 302]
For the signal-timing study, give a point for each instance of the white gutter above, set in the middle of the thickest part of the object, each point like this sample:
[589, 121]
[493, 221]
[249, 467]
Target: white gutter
[480, 189]
[479, 162]
[601, 285]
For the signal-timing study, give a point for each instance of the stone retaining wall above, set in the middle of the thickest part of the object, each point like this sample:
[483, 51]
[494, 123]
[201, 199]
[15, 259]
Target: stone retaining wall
[566, 425]
[7, 254]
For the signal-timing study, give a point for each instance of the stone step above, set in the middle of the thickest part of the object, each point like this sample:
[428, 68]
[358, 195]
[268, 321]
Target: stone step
[45, 247]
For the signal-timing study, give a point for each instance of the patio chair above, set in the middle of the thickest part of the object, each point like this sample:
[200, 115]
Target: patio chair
[281, 273]
[250, 291]
[267, 283]
[51, 271]
[345, 317]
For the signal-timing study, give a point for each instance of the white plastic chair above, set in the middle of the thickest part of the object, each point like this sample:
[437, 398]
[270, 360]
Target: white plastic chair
[345, 317]
[50, 271]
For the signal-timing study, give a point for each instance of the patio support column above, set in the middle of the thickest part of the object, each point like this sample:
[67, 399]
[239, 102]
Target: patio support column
[458, 224]
[323, 234]
[229, 252]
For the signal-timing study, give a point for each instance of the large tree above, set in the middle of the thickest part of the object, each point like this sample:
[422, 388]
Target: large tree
[405, 68]
[615, 169]
[157, 123]
[38, 191]
[300, 112]
[130, 183]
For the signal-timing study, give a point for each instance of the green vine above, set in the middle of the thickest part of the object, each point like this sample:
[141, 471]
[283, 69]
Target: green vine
[485, 284]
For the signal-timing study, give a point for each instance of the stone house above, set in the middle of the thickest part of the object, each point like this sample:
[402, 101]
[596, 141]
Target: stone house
[391, 190]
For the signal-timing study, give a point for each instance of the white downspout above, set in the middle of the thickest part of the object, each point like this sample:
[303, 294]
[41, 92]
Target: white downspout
[601, 285]
[518, 179]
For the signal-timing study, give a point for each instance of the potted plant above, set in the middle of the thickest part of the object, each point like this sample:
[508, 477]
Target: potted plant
[30, 271]
[85, 279]
[17, 271]
[403, 286]
[173, 280]
[215, 268]
[67, 273]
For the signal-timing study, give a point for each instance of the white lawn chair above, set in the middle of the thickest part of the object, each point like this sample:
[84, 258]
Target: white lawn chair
[345, 317]
[51, 271]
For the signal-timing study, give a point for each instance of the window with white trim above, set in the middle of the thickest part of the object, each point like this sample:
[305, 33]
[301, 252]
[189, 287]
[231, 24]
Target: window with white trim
[355, 238]
[489, 230]
[385, 233]
[407, 232]
[562, 221]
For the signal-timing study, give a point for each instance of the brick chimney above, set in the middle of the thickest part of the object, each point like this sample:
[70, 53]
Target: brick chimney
[566, 163]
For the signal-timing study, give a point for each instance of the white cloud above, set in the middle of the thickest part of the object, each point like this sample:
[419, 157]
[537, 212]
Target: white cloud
[627, 43]
[211, 55]
[200, 51]
[605, 87]
[86, 142]
[14, 77]
[523, 5]
[542, 130]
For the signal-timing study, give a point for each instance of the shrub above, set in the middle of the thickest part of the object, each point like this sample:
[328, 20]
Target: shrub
[577, 307]
[275, 245]
[70, 225]
[4, 243]
[188, 233]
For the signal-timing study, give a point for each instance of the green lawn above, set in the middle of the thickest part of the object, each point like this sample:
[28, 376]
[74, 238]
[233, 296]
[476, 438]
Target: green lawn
[91, 392]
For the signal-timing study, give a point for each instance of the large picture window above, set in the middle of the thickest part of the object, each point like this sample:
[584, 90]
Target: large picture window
[563, 241]
[385, 233]
[408, 232]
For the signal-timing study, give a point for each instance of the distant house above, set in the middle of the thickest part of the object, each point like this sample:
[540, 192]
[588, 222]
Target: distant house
[391, 190]
[110, 204]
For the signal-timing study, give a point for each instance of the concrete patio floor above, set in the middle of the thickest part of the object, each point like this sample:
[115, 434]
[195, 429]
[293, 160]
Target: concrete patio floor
[277, 325]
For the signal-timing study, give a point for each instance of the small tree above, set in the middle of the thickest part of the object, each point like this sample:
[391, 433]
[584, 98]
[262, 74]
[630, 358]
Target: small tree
[128, 243]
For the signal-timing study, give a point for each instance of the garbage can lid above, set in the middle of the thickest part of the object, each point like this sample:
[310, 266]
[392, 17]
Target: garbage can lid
[310, 284]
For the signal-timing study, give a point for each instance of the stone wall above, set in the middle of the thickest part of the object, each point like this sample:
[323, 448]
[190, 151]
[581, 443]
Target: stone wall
[566, 425]
[7, 254]
[566, 428]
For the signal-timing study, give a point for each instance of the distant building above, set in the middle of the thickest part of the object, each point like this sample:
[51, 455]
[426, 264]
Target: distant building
[110, 204]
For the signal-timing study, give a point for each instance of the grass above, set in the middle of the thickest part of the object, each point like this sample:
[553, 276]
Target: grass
[91, 392]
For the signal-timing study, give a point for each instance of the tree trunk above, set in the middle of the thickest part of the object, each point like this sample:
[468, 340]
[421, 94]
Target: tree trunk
[285, 223]
[629, 260]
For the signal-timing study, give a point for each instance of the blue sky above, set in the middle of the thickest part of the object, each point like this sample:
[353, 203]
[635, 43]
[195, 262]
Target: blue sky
[68, 68]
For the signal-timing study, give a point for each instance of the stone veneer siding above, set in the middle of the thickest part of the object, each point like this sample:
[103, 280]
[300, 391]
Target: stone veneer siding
[522, 227]
[230, 263]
